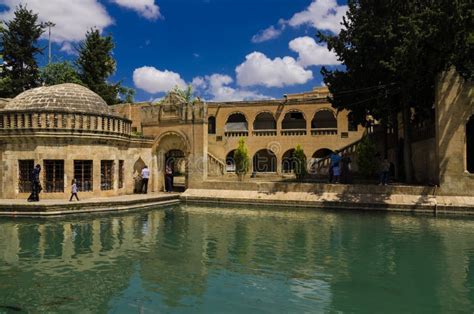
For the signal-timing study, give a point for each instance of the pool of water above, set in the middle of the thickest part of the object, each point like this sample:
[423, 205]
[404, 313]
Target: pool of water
[237, 260]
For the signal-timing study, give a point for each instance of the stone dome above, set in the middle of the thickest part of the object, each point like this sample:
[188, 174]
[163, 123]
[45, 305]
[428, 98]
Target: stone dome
[62, 98]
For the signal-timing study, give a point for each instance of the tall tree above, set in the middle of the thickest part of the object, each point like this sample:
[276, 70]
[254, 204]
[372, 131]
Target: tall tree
[19, 47]
[59, 73]
[393, 51]
[96, 64]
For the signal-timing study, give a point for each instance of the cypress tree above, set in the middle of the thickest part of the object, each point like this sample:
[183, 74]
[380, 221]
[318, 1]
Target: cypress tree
[95, 64]
[19, 47]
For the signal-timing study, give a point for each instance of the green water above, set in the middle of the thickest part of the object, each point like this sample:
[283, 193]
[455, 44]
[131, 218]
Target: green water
[228, 260]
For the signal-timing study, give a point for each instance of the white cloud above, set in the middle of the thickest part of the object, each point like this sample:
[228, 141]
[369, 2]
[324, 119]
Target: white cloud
[72, 18]
[266, 34]
[216, 87]
[321, 14]
[146, 8]
[258, 69]
[311, 53]
[155, 81]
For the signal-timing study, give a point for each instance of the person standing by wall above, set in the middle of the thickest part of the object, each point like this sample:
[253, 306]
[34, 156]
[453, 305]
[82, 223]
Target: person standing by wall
[73, 190]
[145, 177]
[384, 172]
[35, 184]
[168, 178]
[335, 160]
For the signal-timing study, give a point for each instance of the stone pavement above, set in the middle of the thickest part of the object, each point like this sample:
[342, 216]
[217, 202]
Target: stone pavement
[54, 207]
[336, 200]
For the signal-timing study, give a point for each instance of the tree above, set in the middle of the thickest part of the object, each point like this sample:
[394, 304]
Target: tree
[241, 159]
[59, 73]
[96, 64]
[299, 159]
[19, 48]
[393, 51]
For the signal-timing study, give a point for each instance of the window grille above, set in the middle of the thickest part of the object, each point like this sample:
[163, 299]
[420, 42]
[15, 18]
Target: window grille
[106, 175]
[83, 173]
[121, 171]
[53, 176]
[25, 170]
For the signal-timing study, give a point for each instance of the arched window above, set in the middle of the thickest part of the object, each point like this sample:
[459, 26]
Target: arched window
[294, 120]
[229, 161]
[264, 161]
[322, 153]
[236, 122]
[324, 119]
[470, 145]
[211, 125]
[264, 121]
[288, 162]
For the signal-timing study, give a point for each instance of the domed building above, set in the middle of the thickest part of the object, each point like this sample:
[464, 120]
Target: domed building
[72, 133]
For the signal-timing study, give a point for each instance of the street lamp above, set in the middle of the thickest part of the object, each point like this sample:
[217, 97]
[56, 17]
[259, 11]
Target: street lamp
[49, 25]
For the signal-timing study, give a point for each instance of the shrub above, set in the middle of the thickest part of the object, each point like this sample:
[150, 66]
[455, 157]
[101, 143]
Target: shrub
[366, 158]
[299, 159]
[241, 159]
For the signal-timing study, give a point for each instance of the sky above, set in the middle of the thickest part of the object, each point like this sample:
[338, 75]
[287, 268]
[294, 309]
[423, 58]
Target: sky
[227, 49]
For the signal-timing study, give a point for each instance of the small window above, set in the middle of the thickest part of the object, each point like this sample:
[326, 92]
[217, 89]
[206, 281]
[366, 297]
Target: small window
[211, 125]
[83, 175]
[53, 176]
[106, 175]
[344, 134]
[25, 169]
[120, 174]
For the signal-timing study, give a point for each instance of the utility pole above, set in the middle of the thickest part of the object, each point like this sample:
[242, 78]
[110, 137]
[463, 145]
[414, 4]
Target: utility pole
[49, 25]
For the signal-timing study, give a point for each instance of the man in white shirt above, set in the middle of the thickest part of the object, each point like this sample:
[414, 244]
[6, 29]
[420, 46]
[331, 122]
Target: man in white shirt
[145, 177]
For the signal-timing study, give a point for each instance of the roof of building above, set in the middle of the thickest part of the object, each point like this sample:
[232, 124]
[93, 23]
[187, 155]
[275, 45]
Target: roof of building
[62, 98]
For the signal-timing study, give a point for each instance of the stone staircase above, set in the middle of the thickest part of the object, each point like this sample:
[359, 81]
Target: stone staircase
[215, 166]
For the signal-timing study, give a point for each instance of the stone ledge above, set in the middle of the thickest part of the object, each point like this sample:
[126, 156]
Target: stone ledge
[50, 208]
[393, 202]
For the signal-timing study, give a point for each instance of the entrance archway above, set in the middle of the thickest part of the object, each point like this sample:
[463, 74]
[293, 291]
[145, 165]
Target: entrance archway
[172, 148]
[322, 153]
[229, 162]
[470, 145]
[288, 162]
[264, 161]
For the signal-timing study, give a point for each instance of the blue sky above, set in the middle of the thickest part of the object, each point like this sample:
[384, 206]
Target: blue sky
[228, 49]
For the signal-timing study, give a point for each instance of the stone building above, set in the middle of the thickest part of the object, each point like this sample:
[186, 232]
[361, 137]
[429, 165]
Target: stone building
[71, 133]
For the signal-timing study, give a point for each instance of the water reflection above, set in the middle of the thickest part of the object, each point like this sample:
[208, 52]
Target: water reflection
[189, 259]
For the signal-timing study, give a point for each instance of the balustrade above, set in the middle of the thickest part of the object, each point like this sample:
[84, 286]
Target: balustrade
[324, 131]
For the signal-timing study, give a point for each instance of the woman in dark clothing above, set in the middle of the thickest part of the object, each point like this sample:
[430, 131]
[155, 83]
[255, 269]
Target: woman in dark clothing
[346, 177]
[35, 184]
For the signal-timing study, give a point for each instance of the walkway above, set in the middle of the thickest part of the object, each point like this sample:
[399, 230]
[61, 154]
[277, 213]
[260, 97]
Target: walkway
[52, 207]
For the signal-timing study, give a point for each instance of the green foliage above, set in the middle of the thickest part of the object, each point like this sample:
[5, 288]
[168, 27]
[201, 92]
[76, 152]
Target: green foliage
[299, 159]
[19, 48]
[96, 63]
[187, 93]
[59, 73]
[241, 158]
[366, 158]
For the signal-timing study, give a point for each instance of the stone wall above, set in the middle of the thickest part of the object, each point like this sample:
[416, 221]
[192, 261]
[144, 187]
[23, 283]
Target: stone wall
[454, 106]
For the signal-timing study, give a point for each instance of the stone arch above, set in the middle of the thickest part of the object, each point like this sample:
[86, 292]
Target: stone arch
[236, 121]
[211, 125]
[264, 160]
[294, 120]
[470, 145]
[287, 161]
[171, 141]
[322, 153]
[264, 120]
[229, 161]
[324, 119]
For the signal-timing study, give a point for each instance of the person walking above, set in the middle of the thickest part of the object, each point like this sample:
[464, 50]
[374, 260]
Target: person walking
[35, 184]
[73, 190]
[145, 177]
[168, 178]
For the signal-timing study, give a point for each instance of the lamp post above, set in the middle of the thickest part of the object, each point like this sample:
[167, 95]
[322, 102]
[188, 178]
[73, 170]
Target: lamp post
[49, 25]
